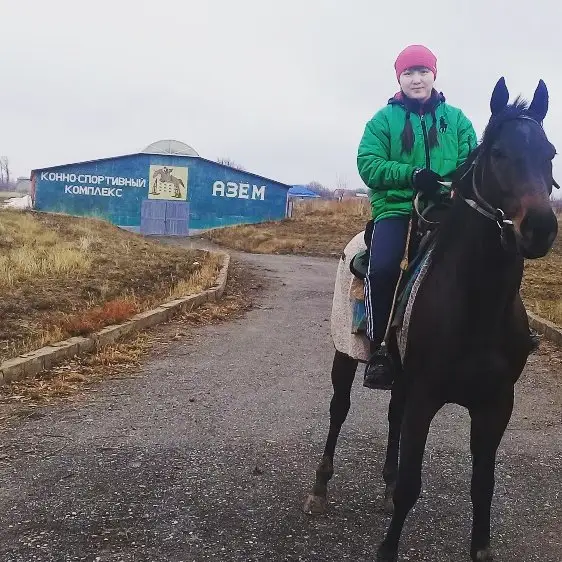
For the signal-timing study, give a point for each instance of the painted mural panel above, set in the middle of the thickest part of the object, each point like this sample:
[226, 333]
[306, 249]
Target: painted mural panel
[108, 189]
[168, 183]
[225, 196]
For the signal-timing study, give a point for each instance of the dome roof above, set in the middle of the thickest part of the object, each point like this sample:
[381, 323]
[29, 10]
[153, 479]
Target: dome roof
[170, 146]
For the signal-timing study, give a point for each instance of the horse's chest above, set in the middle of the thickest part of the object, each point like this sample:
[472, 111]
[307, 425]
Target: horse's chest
[477, 375]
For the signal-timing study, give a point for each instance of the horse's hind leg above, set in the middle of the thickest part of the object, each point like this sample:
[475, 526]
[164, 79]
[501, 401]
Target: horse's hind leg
[487, 429]
[418, 413]
[390, 470]
[343, 373]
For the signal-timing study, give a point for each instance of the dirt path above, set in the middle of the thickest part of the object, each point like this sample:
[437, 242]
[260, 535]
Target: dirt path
[210, 454]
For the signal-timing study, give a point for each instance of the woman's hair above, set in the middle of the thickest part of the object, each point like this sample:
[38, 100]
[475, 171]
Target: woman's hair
[408, 136]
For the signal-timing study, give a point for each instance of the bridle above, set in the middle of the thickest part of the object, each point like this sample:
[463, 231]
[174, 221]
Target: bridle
[477, 202]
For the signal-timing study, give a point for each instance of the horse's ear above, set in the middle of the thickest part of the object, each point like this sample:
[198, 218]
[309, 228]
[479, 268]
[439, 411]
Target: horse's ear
[500, 97]
[539, 105]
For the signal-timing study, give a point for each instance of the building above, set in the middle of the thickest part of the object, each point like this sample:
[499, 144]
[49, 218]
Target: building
[167, 189]
[23, 185]
[302, 192]
[299, 193]
[346, 194]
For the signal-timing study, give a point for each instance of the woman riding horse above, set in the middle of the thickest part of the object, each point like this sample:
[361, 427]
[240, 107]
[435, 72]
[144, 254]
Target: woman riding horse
[410, 145]
[468, 333]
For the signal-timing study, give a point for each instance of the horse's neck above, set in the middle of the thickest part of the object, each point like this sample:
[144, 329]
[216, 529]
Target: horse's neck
[470, 250]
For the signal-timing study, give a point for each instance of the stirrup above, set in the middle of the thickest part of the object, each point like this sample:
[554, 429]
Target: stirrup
[383, 377]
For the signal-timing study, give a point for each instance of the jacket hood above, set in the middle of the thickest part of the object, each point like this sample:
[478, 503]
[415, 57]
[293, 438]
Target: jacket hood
[414, 105]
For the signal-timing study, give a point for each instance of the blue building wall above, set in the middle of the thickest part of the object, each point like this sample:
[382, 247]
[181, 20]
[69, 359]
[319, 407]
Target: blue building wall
[114, 189]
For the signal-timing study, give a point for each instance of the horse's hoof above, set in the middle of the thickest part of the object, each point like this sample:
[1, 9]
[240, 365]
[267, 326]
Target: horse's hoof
[315, 505]
[384, 554]
[388, 506]
[484, 555]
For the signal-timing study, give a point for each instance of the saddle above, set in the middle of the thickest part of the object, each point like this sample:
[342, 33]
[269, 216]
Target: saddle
[423, 232]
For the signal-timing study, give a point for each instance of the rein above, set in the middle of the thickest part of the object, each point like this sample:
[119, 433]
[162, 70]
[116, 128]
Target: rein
[480, 205]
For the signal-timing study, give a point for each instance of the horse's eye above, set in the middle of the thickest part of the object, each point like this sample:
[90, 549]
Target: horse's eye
[498, 153]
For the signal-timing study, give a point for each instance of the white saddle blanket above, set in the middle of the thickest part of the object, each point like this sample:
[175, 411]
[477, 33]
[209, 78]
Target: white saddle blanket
[348, 290]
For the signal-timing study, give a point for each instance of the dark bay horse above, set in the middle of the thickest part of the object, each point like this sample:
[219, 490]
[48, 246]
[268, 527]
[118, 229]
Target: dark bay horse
[468, 339]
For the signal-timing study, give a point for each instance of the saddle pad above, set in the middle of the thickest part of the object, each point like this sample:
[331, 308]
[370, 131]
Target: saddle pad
[359, 319]
[403, 307]
[347, 290]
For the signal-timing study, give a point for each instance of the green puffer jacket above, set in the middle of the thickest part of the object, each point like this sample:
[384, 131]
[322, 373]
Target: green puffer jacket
[387, 170]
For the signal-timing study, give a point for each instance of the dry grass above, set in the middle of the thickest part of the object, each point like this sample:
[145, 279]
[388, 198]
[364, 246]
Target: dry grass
[62, 276]
[200, 279]
[80, 375]
[31, 251]
[320, 228]
[262, 240]
[542, 283]
[111, 312]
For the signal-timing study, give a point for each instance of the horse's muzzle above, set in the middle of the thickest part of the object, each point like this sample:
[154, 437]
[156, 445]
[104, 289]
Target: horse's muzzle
[537, 232]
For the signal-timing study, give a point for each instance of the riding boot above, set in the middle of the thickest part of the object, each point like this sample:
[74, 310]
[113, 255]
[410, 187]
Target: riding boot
[379, 371]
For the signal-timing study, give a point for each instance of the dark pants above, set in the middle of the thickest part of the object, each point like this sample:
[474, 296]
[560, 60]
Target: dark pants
[388, 243]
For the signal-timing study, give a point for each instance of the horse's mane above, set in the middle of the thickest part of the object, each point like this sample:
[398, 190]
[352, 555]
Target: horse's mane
[517, 109]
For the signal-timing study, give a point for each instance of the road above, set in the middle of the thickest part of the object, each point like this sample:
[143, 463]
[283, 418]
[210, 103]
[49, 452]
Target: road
[210, 453]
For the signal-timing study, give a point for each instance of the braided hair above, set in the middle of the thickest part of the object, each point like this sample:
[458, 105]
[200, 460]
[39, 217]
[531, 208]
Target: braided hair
[407, 136]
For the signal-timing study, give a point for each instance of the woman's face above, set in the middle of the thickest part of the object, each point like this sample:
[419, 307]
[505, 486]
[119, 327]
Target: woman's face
[417, 83]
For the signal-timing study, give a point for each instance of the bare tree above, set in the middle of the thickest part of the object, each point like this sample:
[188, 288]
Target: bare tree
[230, 163]
[341, 182]
[4, 170]
[318, 188]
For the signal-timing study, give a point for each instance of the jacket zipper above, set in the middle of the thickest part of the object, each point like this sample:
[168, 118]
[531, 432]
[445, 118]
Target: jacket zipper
[425, 142]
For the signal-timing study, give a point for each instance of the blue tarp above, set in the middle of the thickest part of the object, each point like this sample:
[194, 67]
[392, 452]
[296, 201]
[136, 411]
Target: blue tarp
[301, 191]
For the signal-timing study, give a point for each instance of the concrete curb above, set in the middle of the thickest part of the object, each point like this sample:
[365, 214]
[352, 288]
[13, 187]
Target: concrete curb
[549, 329]
[31, 363]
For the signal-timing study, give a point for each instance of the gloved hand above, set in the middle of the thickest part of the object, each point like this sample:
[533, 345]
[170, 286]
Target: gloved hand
[426, 181]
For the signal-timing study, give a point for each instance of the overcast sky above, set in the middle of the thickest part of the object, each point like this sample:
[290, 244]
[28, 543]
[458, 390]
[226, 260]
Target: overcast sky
[283, 88]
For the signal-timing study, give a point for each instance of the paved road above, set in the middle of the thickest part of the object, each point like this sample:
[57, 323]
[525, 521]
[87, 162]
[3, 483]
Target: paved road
[210, 454]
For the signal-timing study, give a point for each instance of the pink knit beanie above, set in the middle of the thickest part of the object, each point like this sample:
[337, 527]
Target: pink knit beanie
[415, 55]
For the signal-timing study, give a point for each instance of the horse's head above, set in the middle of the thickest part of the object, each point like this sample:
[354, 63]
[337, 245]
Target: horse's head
[513, 170]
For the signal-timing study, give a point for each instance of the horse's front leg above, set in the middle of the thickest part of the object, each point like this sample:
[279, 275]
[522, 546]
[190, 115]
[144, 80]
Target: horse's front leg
[343, 373]
[419, 410]
[487, 429]
[395, 414]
